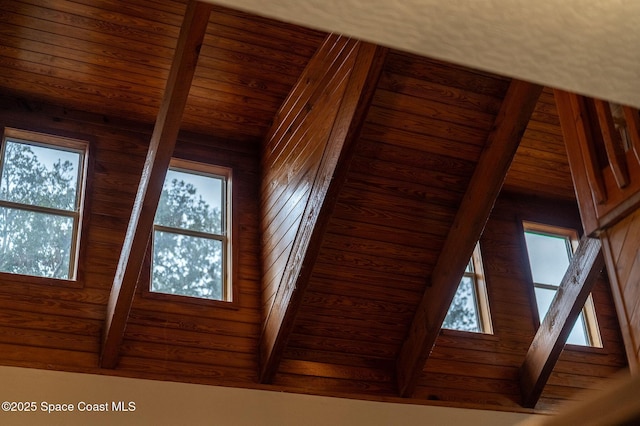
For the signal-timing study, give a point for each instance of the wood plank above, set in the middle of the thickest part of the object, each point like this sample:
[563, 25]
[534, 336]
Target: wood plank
[331, 174]
[293, 151]
[160, 151]
[633, 125]
[612, 143]
[189, 372]
[437, 92]
[334, 387]
[343, 345]
[410, 104]
[576, 134]
[469, 222]
[550, 338]
[447, 74]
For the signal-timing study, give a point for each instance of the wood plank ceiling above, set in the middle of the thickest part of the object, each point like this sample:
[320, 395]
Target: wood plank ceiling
[420, 141]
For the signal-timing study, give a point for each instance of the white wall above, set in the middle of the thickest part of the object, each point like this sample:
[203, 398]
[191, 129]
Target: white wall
[165, 403]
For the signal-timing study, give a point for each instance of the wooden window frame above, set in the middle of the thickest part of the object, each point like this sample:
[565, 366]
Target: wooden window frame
[481, 296]
[590, 321]
[226, 237]
[63, 144]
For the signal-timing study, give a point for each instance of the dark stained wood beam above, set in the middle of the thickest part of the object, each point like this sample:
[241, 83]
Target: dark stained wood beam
[552, 334]
[612, 143]
[477, 203]
[156, 164]
[330, 177]
[587, 179]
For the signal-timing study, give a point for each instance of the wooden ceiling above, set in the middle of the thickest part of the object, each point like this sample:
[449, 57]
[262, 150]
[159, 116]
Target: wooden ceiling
[113, 57]
[411, 166]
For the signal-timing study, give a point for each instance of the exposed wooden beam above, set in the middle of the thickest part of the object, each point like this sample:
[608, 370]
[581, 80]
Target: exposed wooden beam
[324, 192]
[577, 135]
[477, 203]
[159, 155]
[549, 341]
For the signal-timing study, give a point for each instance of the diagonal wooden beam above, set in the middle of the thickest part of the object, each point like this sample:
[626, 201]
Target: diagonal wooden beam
[477, 203]
[552, 334]
[159, 155]
[329, 178]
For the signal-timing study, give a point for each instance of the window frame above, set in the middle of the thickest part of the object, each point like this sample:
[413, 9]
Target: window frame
[589, 318]
[62, 143]
[481, 296]
[226, 237]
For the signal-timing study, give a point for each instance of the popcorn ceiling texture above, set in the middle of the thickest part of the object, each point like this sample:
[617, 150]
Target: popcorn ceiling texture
[585, 46]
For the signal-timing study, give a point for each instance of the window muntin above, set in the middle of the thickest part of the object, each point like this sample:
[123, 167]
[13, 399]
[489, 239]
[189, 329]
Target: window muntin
[191, 233]
[469, 310]
[41, 189]
[550, 250]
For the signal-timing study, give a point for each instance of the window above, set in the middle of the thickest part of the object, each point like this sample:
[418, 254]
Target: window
[550, 250]
[191, 233]
[41, 196]
[469, 310]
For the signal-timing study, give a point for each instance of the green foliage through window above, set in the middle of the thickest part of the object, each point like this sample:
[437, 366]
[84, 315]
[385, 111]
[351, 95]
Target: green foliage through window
[189, 239]
[469, 310]
[39, 208]
[462, 314]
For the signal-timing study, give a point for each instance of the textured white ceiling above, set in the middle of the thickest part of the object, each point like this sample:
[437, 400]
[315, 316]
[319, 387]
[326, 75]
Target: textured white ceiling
[586, 46]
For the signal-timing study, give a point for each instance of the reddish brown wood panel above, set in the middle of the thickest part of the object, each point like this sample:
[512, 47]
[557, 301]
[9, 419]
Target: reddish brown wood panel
[410, 170]
[292, 155]
[362, 67]
[540, 166]
[97, 69]
[621, 246]
[114, 59]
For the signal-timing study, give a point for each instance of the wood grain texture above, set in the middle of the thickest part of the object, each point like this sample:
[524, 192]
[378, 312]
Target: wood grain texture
[95, 70]
[620, 248]
[540, 166]
[365, 62]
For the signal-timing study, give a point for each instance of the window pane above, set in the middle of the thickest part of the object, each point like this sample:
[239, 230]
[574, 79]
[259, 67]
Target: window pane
[463, 314]
[35, 243]
[40, 176]
[578, 336]
[191, 201]
[548, 257]
[186, 265]
[544, 297]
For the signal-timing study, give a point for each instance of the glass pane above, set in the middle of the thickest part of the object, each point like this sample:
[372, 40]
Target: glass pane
[578, 336]
[189, 266]
[548, 257]
[544, 297]
[463, 312]
[35, 243]
[191, 201]
[40, 176]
